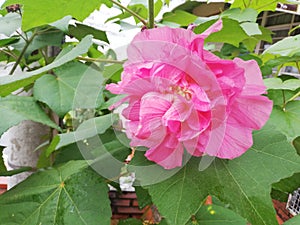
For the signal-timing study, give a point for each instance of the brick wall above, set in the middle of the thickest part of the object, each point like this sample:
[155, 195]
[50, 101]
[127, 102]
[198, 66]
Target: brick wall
[124, 205]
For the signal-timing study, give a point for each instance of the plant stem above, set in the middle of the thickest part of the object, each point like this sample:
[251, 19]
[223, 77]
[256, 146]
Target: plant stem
[130, 11]
[28, 42]
[294, 97]
[151, 14]
[100, 60]
[297, 64]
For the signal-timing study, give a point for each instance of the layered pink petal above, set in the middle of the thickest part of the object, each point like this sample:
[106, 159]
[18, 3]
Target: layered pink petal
[168, 154]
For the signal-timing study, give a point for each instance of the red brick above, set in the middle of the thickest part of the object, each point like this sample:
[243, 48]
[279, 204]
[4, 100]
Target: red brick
[130, 210]
[120, 216]
[3, 186]
[135, 203]
[120, 202]
[130, 195]
[2, 191]
[112, 194]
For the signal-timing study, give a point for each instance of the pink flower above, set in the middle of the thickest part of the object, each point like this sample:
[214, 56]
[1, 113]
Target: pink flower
[181, 96]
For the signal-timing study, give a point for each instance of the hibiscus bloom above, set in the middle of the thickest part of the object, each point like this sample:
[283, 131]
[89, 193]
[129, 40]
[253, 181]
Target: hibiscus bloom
[182, 97]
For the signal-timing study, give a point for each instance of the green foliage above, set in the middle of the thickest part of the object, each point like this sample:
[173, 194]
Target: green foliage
[87, 129]
[49, 11]
[294, 221]
[130, 221]
[180, 17]
[286, 47]
[15, 109]
[79, 31]
[10, 23]
[59, 195]
[286, 119]
[278, 84]
[9, 83]
[259, 5]
[215, 215]
[2, 166]
[243, 183]
[68, 88]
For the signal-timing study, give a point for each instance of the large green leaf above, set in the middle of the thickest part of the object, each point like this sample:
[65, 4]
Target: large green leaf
[287, 119]
[230, 27]
[216, 215]
[106, 151]
[180, 17]
[10, 23]
[81, 30]
[9, 83]
[15, 109]
[285, 47]
[37, 13]
[75, 85]
[68, 194]
[259, 5]
[243, 183]
[294, 221]
[87, 129]
[246, 15]
[52, 37]
[278, 84]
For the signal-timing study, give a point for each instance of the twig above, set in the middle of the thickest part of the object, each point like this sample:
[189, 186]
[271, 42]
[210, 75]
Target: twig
[130, 11]
[100, 60]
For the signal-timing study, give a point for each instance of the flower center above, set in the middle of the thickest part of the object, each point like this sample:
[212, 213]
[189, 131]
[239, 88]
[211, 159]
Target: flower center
[182, 91]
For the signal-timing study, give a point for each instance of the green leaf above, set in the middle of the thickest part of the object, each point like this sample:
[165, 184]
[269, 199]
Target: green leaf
[243, 183]
[180, 17]
[49, 11]
[62, 24]
[52, 37]
[113, 72]
[16, 171]
[107, 151]
[79, 31]
[259, 5]
[278, 84]
[109, 142]
[287, 185]
[251, 29]
[15, 109]
[216, 215]
[143, 197]
[2, 165]
[245, 15]
[10, 23]
[68, 194]
[74, 86]
[287, 120]
[130, 221]
[285, 47]
[8, 41]
[293, 221]
[9, 83]
[87, 129]
[225, 35]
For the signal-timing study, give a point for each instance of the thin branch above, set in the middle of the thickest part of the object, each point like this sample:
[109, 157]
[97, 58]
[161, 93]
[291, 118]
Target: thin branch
[100, 60]
[130, 11]
[294, 97]
[22, 53]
